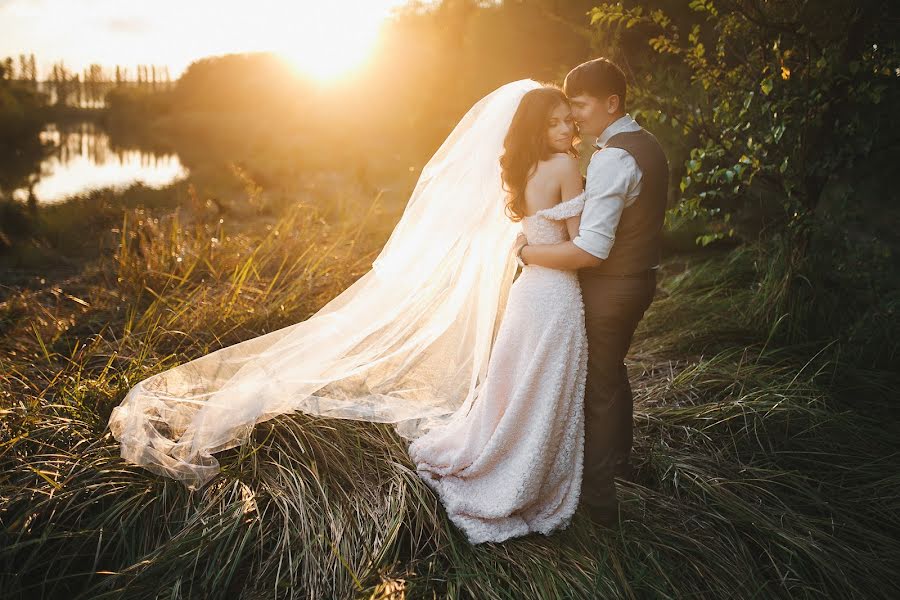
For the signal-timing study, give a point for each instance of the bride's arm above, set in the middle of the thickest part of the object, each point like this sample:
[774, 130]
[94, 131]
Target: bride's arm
[571, 184]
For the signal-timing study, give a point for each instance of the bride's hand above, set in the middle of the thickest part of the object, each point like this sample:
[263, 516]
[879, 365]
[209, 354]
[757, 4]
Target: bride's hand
[521, 241]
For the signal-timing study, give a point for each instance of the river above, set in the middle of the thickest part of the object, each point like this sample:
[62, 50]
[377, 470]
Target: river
[80, 157]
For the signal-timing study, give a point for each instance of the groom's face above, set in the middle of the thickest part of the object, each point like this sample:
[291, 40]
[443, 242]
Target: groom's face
[592, 114]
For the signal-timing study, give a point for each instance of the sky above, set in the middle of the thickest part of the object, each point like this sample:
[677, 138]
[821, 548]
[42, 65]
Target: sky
[323, 38]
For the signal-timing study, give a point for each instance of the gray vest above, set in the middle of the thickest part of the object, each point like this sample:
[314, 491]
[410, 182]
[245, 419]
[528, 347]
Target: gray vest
[638, 241]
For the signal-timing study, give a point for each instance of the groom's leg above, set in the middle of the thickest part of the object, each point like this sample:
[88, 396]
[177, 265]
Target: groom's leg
[624, 431]
[613, 308]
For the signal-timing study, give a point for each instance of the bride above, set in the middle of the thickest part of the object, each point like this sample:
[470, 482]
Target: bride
[483, 373]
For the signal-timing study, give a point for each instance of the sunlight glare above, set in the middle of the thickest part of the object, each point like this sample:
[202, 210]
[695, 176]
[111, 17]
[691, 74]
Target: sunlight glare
[328, 40]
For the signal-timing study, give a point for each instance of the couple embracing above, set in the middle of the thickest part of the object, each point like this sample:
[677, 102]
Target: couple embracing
[589, 256]
[509, 384]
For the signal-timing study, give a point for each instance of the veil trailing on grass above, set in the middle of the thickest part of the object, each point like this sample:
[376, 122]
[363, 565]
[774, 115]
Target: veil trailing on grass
[408, 343]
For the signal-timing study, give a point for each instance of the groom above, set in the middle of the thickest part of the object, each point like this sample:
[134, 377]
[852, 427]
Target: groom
[617, 253]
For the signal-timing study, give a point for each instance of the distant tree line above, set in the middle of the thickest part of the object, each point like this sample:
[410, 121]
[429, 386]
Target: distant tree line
[87, 89]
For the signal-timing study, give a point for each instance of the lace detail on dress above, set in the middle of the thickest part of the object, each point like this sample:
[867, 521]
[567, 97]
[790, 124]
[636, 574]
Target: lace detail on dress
[547, 226]
[563, 210]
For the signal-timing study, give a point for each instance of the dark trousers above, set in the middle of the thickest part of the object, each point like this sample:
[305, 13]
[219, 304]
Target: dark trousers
[613, 307]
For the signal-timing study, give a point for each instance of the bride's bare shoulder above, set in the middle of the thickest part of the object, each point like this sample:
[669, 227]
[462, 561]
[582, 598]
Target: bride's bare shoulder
[566, 170]
[556, 165]
[563, 163]
[563, 166]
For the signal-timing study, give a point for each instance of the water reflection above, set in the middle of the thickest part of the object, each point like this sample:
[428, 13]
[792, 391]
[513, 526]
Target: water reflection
[82, 158]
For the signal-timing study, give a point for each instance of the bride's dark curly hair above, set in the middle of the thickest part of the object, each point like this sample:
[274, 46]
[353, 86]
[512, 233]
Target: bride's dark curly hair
[526, 144]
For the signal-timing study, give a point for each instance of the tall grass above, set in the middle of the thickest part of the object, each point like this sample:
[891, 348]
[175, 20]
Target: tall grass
[757, 476]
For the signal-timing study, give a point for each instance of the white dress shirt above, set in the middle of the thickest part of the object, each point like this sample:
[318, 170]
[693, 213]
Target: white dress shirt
[613, 182]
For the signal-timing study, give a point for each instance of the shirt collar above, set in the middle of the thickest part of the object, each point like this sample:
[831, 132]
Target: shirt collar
[623, 123]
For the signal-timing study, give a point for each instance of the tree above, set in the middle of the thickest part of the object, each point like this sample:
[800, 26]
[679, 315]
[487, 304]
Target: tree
[777, 94]
[782, 105]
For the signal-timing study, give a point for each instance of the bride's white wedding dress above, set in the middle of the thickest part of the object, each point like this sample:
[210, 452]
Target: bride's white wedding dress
[512, 464]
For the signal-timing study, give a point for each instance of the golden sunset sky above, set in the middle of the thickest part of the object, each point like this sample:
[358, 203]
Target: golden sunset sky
[323, 38]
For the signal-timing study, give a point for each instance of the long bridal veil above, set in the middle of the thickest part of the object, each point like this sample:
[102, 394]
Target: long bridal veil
[408, 343]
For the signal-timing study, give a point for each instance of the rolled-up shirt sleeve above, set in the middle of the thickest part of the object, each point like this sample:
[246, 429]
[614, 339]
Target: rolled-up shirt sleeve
[610, 176]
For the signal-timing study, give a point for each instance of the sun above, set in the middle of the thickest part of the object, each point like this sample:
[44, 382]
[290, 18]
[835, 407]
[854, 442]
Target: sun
[330, 40]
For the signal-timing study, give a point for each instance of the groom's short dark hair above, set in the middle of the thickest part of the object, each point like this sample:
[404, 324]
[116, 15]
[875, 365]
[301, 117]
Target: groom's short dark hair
[599, 77]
